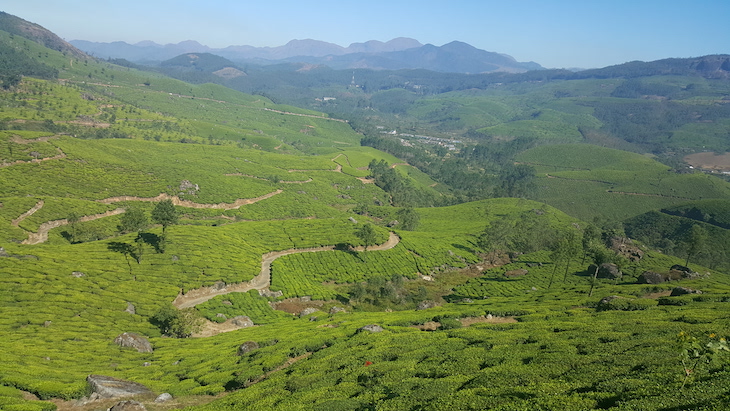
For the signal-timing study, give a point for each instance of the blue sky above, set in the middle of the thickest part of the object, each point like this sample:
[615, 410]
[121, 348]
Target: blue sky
[554, 33]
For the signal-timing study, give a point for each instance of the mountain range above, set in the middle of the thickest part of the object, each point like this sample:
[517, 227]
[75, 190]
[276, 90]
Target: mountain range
[399, 53]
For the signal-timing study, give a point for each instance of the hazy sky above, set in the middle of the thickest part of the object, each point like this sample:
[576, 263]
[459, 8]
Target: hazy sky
[556, 33]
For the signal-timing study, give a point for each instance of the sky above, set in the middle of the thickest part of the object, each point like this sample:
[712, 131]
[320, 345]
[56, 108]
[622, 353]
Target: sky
[555, 34]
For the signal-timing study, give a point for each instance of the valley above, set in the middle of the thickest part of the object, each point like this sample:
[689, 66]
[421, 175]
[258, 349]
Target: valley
[549, 248]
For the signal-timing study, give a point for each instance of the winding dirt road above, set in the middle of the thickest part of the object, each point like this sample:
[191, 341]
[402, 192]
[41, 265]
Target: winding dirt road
[263, 279]
[187, 203]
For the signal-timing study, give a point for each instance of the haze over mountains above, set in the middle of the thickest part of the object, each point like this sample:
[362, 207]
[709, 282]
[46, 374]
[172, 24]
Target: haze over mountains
[399, 53]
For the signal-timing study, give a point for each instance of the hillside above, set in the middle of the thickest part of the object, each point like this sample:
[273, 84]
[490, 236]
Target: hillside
[272, 259]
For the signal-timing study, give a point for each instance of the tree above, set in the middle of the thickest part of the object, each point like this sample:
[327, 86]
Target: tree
[563, 251]
[366, 233]
[497, 236]
[73, 219]
[134, 219]
[408, 218]
[600, 254]
[591, 234]
[177, 323]
[696, 239]
[165, 214]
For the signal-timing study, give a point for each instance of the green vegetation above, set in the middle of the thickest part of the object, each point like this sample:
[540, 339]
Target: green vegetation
[516, 317]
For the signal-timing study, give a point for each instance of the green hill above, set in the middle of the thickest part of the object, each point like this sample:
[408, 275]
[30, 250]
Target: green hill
[278, 214]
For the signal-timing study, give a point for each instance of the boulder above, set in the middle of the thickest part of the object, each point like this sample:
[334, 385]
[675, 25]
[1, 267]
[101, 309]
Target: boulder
[110, 387]
[606, 302]
[130, 308]
[680, 271]
[78, 274]
[3, 253]
[164, 397]
[133, 340]
[608, 270]
[373, 328]
[129, 405]
[247, 347]
[516, 273]
[426, 304]
[677, 291]
[681, 268]
[221, 315]
[650, 277]
[242, 321]
[352, 220]
[268, 293]
[305, 312]
[335, 310]
[625, 247]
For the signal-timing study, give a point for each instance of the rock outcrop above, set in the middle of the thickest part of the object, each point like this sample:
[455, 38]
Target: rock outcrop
[110, 387]
[373, 328]
[247, 347]
[133, 340]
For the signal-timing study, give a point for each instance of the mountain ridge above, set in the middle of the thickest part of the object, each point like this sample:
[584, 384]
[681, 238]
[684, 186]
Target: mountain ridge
[398, 53]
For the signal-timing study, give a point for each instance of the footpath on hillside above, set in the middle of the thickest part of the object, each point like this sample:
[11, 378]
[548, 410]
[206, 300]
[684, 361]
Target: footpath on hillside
[263, 279]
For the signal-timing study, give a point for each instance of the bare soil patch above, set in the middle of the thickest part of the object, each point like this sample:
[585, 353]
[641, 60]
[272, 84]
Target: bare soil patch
[709, 161]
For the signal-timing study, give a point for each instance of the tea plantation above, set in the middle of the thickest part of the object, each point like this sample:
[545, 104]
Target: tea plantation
[487, 304]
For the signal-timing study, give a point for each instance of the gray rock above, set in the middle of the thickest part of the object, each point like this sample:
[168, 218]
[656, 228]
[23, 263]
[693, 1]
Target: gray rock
[677, 291]
[78, 274]
[605, 301]
[220, 315]
[226, 302]
[608, 270]
[650, 277]
[426, 304]
[133, 340]
[130, 308]
[129, 405]
[110, 387]
[305, 312]
[247, 347]
[681, 268]
[164, 397]
[268, 293]
[335, 310]
[219, 285]
[373, 328]
[352, 220]
[47, 323]
[242, 321]
[3, 253]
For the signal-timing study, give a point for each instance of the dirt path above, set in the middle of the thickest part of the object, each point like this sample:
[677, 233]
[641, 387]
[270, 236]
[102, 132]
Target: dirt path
[263, 279]
[28, 213]
[58, 156]
[187, 203]
[20, 140]
[42, 235]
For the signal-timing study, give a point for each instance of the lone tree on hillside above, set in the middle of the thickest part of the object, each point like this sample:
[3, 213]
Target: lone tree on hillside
[409, 218]
[165, 214]
[367, 234]
[696, 239]
[133, 220]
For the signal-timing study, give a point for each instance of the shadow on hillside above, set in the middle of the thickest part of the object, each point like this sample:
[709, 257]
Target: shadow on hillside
[156, 241]
[347, 248]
